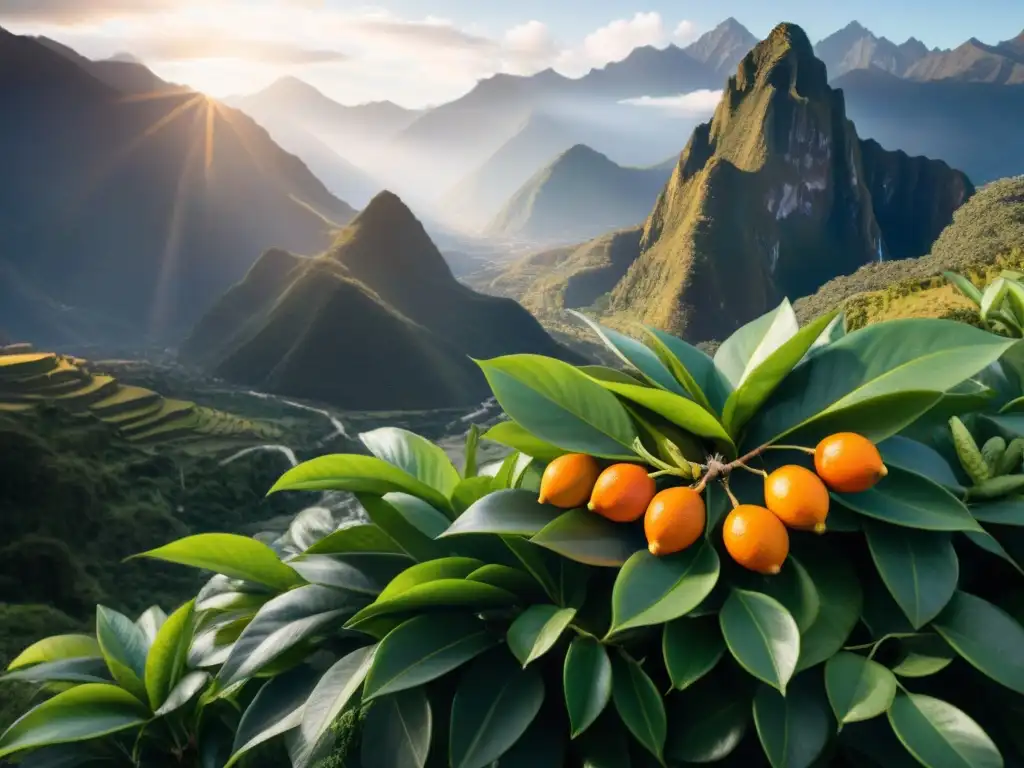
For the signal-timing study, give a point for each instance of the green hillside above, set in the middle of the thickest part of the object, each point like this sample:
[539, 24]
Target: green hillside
[986, 236]
[579, 195]
[377, 322]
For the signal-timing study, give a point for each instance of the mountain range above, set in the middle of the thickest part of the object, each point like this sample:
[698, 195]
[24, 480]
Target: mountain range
[377, 320]
[136, 210]
[774, 196]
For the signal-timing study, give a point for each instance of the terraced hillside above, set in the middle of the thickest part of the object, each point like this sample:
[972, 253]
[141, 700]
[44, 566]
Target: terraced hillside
[29, 379]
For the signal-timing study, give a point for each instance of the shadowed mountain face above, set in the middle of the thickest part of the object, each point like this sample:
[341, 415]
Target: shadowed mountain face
[774, 196]
[376, 322]
[140, 210]
[974, 61]
[580, 195]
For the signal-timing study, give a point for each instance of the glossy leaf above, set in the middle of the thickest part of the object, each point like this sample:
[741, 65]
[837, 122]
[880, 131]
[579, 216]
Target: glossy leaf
[692, 648]
[396, 733]
[839, 604]
[794, 588]
[919, 568]
[922, 655]
[606, 745]
[358, 474]
[985, 636]
[513, 580]
[83, 669]
[150, 622]
[238, 557]
[582, 536]
[504, 512]
[536, 630]
[433, 570]
[706, 725]
[587, 679]
[794, 728]
[758, 384]
[168, 653]
[639, 704]
[965, 286]
[877, 379]
[78, 714]
[749, 346]
[57, 648]
[414, 454]
[1008, 511]
[470, 465]
[563, 580]
[361, 537]
[858, 687]
[310, 526]
[409, 521]
[516, 437]
[422, 649]
[328, 700]
[654, 590]
[183, 692]
[494, 705]
[442, 593]
[912, 501]
[363, 573]
[560, 405]
[762, 636]
[700, 367]
[124, 648]
[542, 746]
[938, 734]
[283, 623]
[913, 456]
[276, 709]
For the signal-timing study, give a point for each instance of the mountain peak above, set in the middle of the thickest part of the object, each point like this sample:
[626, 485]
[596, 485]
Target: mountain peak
[856, 26]
[786, 61]
[125, 58]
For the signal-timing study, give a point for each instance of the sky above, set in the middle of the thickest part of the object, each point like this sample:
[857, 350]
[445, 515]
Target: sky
[423, 52]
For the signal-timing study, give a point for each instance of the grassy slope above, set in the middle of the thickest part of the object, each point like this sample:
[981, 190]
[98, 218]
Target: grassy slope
[987, 235]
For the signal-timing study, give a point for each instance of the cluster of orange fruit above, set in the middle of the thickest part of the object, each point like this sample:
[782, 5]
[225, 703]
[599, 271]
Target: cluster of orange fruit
[754, 536]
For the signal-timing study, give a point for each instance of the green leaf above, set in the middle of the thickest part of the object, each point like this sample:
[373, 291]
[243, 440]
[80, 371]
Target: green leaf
[922, 655]
[639, 704]
[150, 622]
[986, 637]
[692, 648]
[919, 568]
[676, 409]
[238, 557]
[331, 696]
[56, 648]
[912, 501]
[741, 353]
[536, 630]
[510, 579]
[564, 581]
[470, 491]
[83, 669]
[542, 746]
[494, 705]
[761, 635]
[396, 732]
[992, 297]
[678, 370]
[705, 726]
[634, 354]
[938, 734]
[966, 287]
[442, 594]
[423, 649]
[606, 745]
[469, 463]
[833, 333]
[858, 688]
[504, 512]
[358, 474]
[913, 456]
[165, 662]
[699, 366]
[409, 521]
[85, 712]
[361, 537]
[183, 692]
[587, 679]
[516, 437]
[366, 573]
[588, 538]
[654, 590]
[794, 728]
[839, 604]
[276, 709]
[1008, 511]
[758, 384]
[124, 648]
[560, 405]
[794, 588]
[416, 455]
[283, 623]
[876, 380]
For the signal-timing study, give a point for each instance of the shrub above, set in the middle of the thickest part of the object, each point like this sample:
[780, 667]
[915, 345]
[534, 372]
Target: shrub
[469, 623]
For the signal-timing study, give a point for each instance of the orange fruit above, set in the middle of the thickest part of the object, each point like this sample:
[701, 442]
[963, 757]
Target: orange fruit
[848, 462]
[797, 497]
[622, 493]
[568, 480]
[756, 539]
[675, 519]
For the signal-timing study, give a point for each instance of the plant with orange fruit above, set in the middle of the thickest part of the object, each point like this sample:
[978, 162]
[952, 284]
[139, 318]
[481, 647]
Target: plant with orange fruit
[642, 579]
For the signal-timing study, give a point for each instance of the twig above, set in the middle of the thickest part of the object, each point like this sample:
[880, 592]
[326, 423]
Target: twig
[801, 448]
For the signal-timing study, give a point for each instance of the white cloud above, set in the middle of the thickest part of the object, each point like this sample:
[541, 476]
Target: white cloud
[685, 32]
[696, 104]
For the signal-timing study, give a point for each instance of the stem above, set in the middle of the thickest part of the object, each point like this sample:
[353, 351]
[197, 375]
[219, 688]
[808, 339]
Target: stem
[732, 498]
[662, 472]
[760, 472]
[801, 448]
